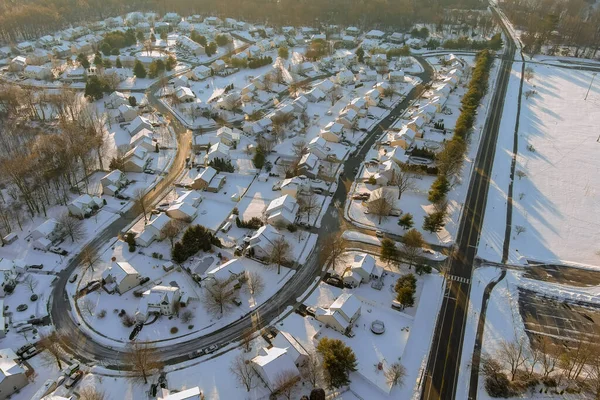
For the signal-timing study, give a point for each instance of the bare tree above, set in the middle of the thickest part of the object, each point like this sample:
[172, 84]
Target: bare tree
[280, 252]
[143, 359]
[31, 283]
[307, 204]
[247, 339]
[528, 74]
[334, 94]
[91, 393]
[52, 351]
[89, 258]
[88, 307]
[520, 229]
[593, 372]
[71, 226]
[217, 297]
[313, 369]
[548, 355]
[404, 181]
[521, 174]
[299, 147]
[140, 203]
[243, 371]
[333, 249]
[187, 316]
[255, 284]
[285, 382]
[512, 354]
[395, 374]
[381, 203]
[171, 230]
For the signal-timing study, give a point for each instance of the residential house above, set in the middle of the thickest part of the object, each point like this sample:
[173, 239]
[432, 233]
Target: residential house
[153, 230]
[218, 65]
[326, 86]
[160, 300]
[213, 21]
[13, 375]
[269, 364]
[282, 211]
[294, 186]
[127, 113]
[285, 340]
[229, 101]
[38, 57]
[368, 75]
[372, 97]
[143, 139]
[396, 76]
[84, 206]
[184, 94]
[135, 160]
[405, 138]
[260, 244]
[309, 165]
[362, 269]
[113, 182]
[398, 155]
[396, 37]
[75, 75]
[182, 211]
[341, 314]
[40, 73]
[315, 95]
[352, 31]
[345, 77]
[359, 105]
[375, 34]
[203, 179]
[216, 183]
[416, 124]
[115, 100]
[217, 150]
[300, 104]
[172, 18]
[387, 173]
[332, 132]
[382, 87]
[46, 234]
[228, 136]
[228, 275]
[138, 124]
[25, 47]
[120, 277]
[187, 394]
[18, 64]
[9, 273]
[200, 73]
[61, 51]
[318, 147]
[347, 118]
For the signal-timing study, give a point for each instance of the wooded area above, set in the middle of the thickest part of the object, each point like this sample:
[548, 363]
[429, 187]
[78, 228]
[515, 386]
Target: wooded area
[30, 19]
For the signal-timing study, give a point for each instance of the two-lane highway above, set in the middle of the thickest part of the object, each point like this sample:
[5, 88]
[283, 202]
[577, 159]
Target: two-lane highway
[444, 359]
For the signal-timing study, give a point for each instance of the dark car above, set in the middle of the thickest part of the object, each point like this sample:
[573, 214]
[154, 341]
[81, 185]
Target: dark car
[73, 278]
[22, 307]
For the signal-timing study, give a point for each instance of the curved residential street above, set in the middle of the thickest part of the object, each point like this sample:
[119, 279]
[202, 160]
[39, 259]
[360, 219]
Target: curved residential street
[93, 350]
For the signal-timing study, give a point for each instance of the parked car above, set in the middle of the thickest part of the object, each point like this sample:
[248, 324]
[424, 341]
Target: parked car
[73, 278]
[22, 307]
[379, 234]
[197, 353]
[25, 347]
[211, 348]
[73, 379]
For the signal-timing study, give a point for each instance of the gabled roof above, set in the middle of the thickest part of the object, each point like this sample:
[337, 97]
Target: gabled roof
[160, 222]
[347, 303]
[224, 271]
[207, 174]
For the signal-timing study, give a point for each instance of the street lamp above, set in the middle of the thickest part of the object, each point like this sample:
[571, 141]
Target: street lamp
[588, 91]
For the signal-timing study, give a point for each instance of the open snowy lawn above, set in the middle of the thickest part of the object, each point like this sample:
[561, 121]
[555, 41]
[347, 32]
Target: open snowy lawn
[557, 202]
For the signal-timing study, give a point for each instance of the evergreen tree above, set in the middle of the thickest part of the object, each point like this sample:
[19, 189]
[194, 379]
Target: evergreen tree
[439, 189]
[434, 222]
[338, 361]
[97, 60]
[406, 221]
[118, 63]
[360, 54]
[138, 70]
[83, 60]
[389, 252]
[171, 63]
[259, 158]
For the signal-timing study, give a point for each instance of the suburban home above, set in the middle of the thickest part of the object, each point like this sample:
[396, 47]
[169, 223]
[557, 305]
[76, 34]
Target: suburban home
[38, 57]
[439, 102]
[203, 179]
[387, 173]
[13, 375]
[325, 86]
[345, 77]
[332, 132]
[115, 100]
[359, 105]
[190, 197]
[318, 147]
[9, 272]
[218, 65]
[427, 112]
[375, 34]
[228, 136]
[309, 165]
[48, 232]
[390, 193]
[228, 275]
[396, 76]
[112, 182]
[25, 47]
[352, 31]
[143, 139]
[84, 206]
[187, 394]
[136, 160]
[160, 300]
[315, 95]
[201, 72]
[180, 80]
[216, 183]
[382, 87]
[153, 230]
[120, 277]
[138, 124]
[184, 94]
[217, 150]
[368, 75]
[341, 314]
[347, 118]
[172, 18]
[294, 186]
[17, 64]
[189, 45]
[40, 73]
[269, 364]
[182, 211]
[362, 269]
[416, 124]
[396, 37]
[372, 97]
[127, 113]
[300, 104]
[75, 75]
[398, 155]
[260, 244]
[61, 51]
[285, 340]
[282, 211]
[405, 138]
[213, 21]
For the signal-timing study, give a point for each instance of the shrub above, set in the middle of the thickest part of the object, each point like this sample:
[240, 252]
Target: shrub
[101, 314]
[128, 320]
[174, 330]
[497, 385]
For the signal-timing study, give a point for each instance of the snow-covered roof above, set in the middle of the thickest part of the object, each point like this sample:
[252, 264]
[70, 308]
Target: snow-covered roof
[160, 222]
[183, 208]
[363, 261]
[188, 394]
[47, 227]
[347, 303]
[119, 270]
[8, 365]
[207, 174]
[225, 271]
[273, 362]
[283, 202]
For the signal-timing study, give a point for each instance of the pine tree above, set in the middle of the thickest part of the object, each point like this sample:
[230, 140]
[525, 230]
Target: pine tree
[406, 221]
[118, 63]
[434, 222]
[338, 361]
[138, 70]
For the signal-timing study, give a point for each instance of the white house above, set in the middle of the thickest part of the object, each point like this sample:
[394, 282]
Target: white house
[396, 37]
[372, 97]
[218, 150]
[203, 179]
[228, 275]
[138, 124]
[228, 136]
[295, 185]
[182, 211]
[187, 394]
[201, 72]
[416, 124]
[300, 103]
[38, 72]
[136, 160]
[398, 155]
[13, 375]
[387, 173]
[84, 205]
[218, 65]
[332, 132]
[375, 34]
[309, 165]
[49, 230]
[362, 269]
[347, 118]
[160, 300]
[345, 77]
[405, 138]
[318, 147]
[285, 340]
[260, 244]
[115, 100]
[127, 113]
[120, 277]
[315, 95]
[282, 211]
[326, 86]
[341, 314]
[269, 364]
[9, 272]
[184, 94]
[112, 182]
[396, 76]
[153, 230]
[190, 197]
[144, 139]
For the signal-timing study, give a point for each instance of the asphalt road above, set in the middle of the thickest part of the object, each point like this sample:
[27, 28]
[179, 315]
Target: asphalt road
[90, 350]
[444, 359]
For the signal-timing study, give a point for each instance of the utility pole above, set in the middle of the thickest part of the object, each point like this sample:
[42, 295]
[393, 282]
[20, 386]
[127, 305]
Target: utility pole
[588, 91]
